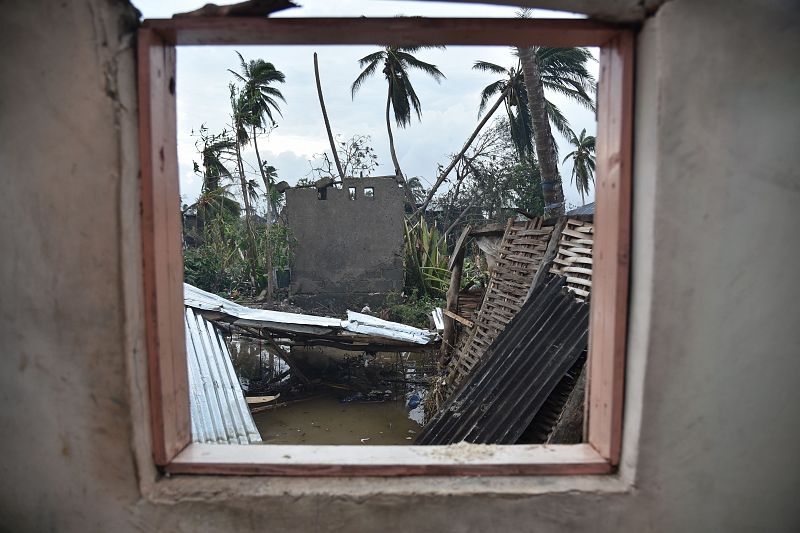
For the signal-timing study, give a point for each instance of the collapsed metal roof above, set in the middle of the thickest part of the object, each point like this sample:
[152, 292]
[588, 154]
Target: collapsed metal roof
[219, 412]
[520, 370]
[357, 329]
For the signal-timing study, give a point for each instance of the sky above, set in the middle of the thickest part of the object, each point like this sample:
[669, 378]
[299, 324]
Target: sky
[449, 109]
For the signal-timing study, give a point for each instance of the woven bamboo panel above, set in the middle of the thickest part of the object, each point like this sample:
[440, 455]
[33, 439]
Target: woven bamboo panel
[469, 301]
[574, 257]
[520, 254]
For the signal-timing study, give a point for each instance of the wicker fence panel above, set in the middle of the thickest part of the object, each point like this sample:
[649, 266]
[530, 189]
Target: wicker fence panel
[574, 258]
[520, 254]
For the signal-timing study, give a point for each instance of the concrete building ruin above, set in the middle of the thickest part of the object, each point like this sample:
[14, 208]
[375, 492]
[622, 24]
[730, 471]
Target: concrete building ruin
[349, 241]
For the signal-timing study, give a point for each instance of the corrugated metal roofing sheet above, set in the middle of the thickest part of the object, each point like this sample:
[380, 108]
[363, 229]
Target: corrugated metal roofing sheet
[356, 323]
[520, 370]
[587, 209]
[219, 413]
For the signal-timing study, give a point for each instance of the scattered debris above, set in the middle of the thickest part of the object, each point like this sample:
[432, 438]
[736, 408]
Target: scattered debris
[521, 369]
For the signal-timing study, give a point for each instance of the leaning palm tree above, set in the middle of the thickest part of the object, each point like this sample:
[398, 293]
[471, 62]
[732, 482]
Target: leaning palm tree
[583, 162]
[401, 96]
[563, 71]
[511, 88]
[534, 63]
[258, 101]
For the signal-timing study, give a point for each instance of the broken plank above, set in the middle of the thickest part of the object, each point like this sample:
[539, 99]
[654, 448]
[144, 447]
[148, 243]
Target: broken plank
[462, 320]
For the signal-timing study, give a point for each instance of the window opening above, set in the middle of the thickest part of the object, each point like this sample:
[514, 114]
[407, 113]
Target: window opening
[561, 249]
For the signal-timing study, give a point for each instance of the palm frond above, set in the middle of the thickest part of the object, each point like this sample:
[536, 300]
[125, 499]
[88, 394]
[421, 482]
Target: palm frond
[366, 73]
[428, 68]
[577, 95]
[558, 119]
[370, 58]
[400, 103]
[489, 91]
[485, 66]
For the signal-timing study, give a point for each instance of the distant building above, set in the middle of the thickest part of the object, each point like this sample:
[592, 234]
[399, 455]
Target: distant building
[349, 240]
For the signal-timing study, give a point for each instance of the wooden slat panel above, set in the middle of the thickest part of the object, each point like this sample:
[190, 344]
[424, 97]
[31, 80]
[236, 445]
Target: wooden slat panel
[161, 248]
[608, 327]
[520, 254]
[575, 248]
[394, 30]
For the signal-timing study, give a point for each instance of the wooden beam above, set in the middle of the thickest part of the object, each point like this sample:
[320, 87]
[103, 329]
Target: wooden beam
[609, 318]
[389, 30]
[549, 255]
[460, 319]
[287, 357]
[161, 249]
[456, 265]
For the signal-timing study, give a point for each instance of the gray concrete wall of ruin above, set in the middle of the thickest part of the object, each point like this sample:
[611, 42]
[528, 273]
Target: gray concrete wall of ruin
[347, 248]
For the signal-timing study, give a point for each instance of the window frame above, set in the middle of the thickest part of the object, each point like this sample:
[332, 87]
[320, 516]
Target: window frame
[163, 264]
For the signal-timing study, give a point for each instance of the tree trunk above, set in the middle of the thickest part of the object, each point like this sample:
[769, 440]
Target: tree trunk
[397, 172]
[268, 188]
[251, 241]
[542, 136]
[455, 160]
[327, 122]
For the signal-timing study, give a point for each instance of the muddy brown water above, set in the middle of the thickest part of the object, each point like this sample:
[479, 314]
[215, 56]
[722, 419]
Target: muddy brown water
[325, 420]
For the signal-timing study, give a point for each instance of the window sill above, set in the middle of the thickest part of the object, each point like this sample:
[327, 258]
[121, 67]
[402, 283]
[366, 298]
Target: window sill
[457, 460]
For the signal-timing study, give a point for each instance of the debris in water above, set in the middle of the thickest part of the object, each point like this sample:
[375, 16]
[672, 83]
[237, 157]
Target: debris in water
[414, 400]
[364, 440]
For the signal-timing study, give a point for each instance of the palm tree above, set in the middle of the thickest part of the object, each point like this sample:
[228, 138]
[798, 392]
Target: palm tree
[513, 94]
[257, 101]
[401, 96]
[239, 116]
[583, 162]
[563, 70]
[215, 198]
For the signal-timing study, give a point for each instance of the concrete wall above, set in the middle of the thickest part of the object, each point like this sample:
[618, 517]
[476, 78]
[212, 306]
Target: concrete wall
[347, 248]
[711, 421]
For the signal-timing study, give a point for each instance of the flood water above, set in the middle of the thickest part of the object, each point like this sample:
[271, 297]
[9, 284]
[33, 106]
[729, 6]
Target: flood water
[325, 420]
[333, 411]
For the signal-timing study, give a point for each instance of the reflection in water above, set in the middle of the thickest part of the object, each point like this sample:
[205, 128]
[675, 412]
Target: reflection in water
[353, 398]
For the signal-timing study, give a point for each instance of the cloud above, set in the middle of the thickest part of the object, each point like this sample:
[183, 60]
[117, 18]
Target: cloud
[449, 108]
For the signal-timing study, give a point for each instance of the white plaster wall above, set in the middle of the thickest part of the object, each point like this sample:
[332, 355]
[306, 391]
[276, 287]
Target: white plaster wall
[712, 413]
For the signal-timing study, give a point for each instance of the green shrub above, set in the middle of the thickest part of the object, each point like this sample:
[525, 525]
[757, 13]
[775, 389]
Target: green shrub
[413, 310]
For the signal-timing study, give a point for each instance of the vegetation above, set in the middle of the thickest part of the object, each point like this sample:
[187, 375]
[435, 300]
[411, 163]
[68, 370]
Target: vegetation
[506, 167]
[401, 97]
[583, 161]
[356, 157]
[425, 260]
[412, 309]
